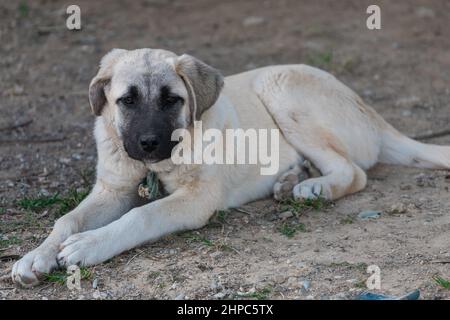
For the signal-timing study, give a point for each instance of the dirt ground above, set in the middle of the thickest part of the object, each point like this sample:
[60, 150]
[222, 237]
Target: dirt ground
[402, 70]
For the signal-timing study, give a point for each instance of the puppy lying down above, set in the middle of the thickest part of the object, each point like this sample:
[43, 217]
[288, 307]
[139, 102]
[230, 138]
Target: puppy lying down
[140, 97]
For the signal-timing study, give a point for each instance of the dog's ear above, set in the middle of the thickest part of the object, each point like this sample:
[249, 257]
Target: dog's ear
[97, 97]
[202, 81]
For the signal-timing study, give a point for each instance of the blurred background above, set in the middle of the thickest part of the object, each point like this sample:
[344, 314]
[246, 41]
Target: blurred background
[46, 141]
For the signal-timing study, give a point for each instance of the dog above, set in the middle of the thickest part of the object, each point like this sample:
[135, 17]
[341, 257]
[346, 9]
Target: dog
[140, 97]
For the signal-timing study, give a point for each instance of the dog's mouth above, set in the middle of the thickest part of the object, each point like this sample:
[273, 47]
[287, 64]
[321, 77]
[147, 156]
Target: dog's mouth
[152, 161]
[156, 156]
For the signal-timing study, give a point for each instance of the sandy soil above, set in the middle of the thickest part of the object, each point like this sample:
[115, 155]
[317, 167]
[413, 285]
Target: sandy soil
[402, 70]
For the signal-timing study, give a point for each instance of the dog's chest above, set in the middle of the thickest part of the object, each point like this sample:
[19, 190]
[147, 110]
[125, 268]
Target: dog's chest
[180, 176]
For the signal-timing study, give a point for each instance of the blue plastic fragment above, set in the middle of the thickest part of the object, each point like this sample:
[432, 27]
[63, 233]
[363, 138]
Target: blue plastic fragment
[306, 284]
[369, 214]
[413, 295]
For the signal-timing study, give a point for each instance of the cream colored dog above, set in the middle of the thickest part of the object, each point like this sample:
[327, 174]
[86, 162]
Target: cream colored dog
[141, 96]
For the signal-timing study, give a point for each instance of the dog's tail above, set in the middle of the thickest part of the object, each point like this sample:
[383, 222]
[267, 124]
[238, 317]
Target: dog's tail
[397, 148]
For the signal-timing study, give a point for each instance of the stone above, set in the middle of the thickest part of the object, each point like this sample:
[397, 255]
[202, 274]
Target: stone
[285, 215]
[425, 12]
[398, 208]
[253, 21]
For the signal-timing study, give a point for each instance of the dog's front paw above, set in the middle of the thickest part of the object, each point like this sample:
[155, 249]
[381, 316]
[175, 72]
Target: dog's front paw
[29, 270]
[83, 249]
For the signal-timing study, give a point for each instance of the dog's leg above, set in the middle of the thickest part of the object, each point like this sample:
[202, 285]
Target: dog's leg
[101, 207]
[340, 177]
[187, 208]
[114, 194]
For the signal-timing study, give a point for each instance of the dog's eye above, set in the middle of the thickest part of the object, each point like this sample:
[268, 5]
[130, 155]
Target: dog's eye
[172, 100]
[128, 101]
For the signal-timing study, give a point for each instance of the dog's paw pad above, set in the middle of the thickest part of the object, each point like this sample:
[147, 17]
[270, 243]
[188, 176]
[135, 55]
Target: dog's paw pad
[283, 190]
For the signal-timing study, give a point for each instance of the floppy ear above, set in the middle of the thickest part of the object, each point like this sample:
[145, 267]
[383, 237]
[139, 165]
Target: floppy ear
[202, 81]
[97, 97]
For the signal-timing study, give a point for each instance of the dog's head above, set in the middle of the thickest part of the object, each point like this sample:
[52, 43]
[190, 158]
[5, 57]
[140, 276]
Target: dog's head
[146, 94]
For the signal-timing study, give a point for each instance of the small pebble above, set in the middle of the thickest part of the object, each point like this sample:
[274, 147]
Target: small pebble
[306, 284]
[424, 12]
[216, 254]
[253, 21]
[398, 208]
[279, 279]
[220, 295]
[180, 297]
[95, 283]
[285, 215]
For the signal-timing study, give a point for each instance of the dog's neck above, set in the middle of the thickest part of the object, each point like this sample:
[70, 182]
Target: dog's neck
[162, 166]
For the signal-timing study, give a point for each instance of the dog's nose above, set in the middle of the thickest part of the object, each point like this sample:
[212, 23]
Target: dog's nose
[149, 143]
